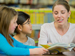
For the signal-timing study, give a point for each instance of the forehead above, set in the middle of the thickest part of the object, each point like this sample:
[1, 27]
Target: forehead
[27, 20]
[59, 7]
[15, 18]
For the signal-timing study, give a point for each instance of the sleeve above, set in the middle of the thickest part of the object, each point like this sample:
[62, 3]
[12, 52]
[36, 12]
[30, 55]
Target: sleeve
[73, 40]
[43, 36]
[33, 43]
[9, 50]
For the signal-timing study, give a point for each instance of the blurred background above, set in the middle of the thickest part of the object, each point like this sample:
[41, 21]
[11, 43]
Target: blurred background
[40, 12]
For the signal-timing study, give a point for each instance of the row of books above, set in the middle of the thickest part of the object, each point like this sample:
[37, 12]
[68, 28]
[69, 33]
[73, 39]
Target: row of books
[44, 2]
[41, 16]
[35, 34]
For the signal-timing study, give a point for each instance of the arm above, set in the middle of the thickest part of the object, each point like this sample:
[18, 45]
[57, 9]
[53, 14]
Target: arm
[43, 36]
[9, 50]
[74, 43]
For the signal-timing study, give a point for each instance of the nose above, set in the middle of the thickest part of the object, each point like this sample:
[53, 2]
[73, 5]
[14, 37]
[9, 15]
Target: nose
[30, 24]
[16, 24]
[59, 15]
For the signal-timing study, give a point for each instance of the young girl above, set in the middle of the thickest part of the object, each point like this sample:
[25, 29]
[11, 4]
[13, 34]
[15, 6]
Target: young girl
[8, 45]
[24, 27]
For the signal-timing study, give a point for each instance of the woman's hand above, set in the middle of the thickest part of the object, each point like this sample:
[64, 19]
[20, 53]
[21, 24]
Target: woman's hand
[74, 49]
[38, 51]
[49, 43]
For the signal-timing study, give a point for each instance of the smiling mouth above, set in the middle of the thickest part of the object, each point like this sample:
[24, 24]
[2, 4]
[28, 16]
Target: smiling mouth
[60, 20]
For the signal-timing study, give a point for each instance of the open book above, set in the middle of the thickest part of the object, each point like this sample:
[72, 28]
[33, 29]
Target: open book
[59, 47]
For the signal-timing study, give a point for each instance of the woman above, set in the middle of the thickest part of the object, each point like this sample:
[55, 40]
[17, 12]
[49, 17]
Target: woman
[59, 31]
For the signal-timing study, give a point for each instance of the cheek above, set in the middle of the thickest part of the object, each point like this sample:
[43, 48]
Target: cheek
[12, 27]
[66, 17]
[26, 29]
[55, 17]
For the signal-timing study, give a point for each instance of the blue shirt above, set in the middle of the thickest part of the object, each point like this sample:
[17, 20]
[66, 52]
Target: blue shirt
[18, 49]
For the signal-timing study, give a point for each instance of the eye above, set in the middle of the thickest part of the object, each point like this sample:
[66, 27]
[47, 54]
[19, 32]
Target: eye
[63, 12]
[56, 13]
[28, 22]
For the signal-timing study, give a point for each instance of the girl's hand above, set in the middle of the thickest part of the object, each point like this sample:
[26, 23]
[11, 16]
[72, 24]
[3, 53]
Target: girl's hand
[38, 51]
[49, 43]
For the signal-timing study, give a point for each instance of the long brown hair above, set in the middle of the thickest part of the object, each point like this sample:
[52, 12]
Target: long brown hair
[62, 2]
[6, 15]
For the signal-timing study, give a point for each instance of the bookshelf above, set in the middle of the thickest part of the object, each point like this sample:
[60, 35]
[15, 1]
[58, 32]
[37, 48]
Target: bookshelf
[36, 26]
[33, 3]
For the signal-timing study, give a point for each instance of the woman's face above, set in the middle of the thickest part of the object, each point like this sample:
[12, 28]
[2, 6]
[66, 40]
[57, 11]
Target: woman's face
[60, 14]
[13, 24]
[27, 27]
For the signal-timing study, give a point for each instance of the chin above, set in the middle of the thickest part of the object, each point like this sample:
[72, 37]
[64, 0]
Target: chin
[60, 23]
[30, 32]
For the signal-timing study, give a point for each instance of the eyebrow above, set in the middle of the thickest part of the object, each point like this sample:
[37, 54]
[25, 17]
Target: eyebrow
[61, 10]
[55, 11]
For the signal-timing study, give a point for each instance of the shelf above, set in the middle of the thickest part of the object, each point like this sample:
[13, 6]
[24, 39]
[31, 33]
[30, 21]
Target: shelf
[17, 4]
[36, 26]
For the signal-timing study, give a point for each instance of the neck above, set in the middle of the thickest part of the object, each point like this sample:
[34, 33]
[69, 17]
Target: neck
[21, 37]
[62, 27]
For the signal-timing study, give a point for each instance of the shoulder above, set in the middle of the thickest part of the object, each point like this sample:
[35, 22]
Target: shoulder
[30, 39]
[2, 36]
[72, 25]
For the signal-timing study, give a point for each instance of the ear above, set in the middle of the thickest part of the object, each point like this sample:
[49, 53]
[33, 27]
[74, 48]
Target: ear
[19, 27]
[69, 13]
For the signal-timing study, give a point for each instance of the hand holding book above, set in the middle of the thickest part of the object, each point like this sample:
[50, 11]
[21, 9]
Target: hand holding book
[59, 47]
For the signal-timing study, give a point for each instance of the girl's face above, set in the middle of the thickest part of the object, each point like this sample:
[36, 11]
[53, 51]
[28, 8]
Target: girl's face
[27, 27]
[13, 24]
[60, 14]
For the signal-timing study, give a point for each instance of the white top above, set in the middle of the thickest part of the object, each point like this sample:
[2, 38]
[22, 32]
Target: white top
[30, 42]
[48, 33]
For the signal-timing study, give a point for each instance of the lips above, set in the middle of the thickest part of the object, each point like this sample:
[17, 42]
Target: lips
[30, 29]
[60, 20]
